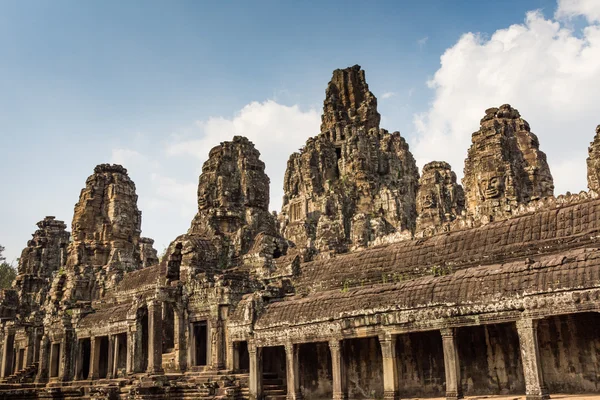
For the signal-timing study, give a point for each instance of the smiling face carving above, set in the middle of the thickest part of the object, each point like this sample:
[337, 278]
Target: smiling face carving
[491, 185]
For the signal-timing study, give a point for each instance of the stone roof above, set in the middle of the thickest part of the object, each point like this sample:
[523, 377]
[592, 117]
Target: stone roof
[575, 269]
[142, 277]
[543, 232]
[105, 316]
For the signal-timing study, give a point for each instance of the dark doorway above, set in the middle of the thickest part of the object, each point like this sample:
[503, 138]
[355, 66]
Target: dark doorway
[490, 360]
[421, 364]
[141, 360]
[85, 348]
[274, 361]
[244, 356]
[168, 342]
[570, 352]
[121, 340]
[201, 342]
[316, 375]
[103, 361]
[364, 367]
[54, 359]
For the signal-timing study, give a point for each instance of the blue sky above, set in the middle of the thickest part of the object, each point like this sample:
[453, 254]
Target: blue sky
[155, 84]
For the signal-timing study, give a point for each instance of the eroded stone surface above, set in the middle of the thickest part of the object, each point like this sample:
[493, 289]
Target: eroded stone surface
[428, 299]
[504, 166]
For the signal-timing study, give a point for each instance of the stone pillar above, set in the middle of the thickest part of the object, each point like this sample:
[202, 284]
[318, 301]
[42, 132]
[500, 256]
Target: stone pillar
[530, 356]
[180, 342]
[191, 345]
[229, 362]
[340, 391]
[65, 370]
[30, 348]
[94, 358]
[115, 364]
[131, 350]
[451, 364]
[111, 357]
[390, 366]
[6, 356]
[155, 337]
[256, 372]
[42, 375]
[293, 371]
[217, 344]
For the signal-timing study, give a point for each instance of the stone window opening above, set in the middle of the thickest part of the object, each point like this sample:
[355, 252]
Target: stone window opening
[168, 333]
[174, 263]
[277, 252]
[338, 157]
[21, 360]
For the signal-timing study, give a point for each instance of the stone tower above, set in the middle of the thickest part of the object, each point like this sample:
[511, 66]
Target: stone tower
[106, 231]
[233, 199]
[440, 199]
[504, 166]
[352, 183]
[593, 163]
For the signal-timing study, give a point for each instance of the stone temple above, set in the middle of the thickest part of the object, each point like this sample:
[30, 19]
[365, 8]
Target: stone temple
[374, 281]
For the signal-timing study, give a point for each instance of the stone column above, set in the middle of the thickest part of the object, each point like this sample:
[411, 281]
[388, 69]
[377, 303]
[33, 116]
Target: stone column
[256, 372]
[131, 350]
[293, 371]
[115, 364]
[340, 391]
[216, 330]
[94, 358]
[180, 343]
[111, 357]
[64, 365]
[42, 375]
[6, 356]
[230, 357]
[155, 337]
[451, 364]
[390, 366]
[530, 356]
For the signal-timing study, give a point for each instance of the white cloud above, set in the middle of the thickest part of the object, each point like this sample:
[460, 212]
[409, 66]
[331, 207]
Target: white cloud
[590, 9]
[275, 129]
[549, 73]
[422, 42]
[387, 95]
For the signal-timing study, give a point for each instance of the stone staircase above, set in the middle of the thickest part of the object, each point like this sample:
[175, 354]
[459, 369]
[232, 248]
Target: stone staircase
[205, 385]
[25, 375]
[274, 388]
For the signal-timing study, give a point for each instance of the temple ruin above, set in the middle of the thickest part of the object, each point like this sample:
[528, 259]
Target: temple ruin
[374, 281]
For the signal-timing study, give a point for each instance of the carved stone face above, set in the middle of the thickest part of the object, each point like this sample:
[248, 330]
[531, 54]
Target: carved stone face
[491, 185]
[203, 199]
[429, 201]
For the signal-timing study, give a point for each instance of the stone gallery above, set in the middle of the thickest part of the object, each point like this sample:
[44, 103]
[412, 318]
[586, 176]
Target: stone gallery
[374, 281]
